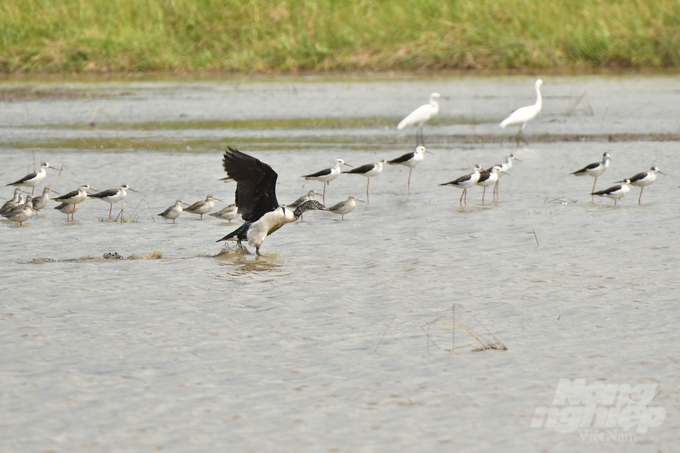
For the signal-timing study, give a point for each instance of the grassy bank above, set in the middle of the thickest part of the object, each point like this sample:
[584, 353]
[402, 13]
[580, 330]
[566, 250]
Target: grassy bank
[51, 36]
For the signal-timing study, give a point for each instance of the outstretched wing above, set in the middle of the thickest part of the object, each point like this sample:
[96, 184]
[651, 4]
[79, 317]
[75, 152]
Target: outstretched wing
[255, 184]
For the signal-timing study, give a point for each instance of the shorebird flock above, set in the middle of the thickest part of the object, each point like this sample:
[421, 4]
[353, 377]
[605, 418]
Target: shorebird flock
[255, 199]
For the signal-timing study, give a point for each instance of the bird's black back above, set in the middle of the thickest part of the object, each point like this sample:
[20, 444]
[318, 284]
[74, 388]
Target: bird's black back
[363, 169]
[103, 194]
[404, 158]
[255, 184]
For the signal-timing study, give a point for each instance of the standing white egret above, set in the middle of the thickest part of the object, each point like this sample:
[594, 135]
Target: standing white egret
[327, 175]
[595, 169]
[410, 160]
[644, 179]
[420, 116]
[523, 115]
[369, 171]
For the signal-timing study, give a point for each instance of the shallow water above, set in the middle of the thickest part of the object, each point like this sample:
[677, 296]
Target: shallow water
[339, 338]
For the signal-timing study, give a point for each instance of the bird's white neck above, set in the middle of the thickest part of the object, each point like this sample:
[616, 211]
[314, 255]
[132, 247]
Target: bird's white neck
[539, 98]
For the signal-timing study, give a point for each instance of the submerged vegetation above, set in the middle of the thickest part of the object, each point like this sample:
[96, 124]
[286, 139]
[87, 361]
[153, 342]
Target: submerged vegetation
[102, 36]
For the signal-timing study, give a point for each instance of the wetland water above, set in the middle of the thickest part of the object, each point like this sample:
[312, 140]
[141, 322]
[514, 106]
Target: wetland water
[339, 338]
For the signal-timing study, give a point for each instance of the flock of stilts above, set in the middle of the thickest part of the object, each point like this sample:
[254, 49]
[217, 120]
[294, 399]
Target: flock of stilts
[255, 196]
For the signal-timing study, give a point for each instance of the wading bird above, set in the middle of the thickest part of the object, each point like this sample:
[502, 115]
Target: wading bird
[369, 171]
[112, 196]
[523, 115]
[33, 179]
[344, 207]
[74, 197]
[20, 213]
[488, 178]
[326, 175]
[173, 211]
[645, 178]
[420, 116]
[256, 199]
[40, 201]
[615, 192]
[410, 160]
[465, 182]
[595, 169]
[229, 213]
[505, 166]
[15, 201]
[67, 209]
[202, 206]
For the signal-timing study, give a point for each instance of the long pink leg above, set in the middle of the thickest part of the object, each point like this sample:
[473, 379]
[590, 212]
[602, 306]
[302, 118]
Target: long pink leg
[368, 183]
[409, 180]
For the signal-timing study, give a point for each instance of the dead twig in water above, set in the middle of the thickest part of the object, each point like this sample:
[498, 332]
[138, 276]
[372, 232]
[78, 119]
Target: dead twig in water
[535, 237]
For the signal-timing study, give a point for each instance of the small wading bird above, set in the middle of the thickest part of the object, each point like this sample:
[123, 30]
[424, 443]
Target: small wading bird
[256, 199]
[615, 192]
[465, 182]
[410, 160]
[310, 196]
[33, 179]
[523, 115]
[420, 116]
[20, 213]
[74, 197]
[595, 169]
[40, 201]
[203, 206]
[344, 207]
[488, 178]
[67, 209]
[15, 201]
[173, 211]
[645, 178]
[112, 196]
[229, 213]
[505, 166]
[326, 175]
[369, 171]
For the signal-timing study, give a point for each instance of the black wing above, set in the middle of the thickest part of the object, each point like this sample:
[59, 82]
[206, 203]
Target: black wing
[324, 172]
[638, 177]
[455, 182]
[484, 175]
[104, 194]
[592, 166]
[608, 190]
[24, 179]
[404, 158]
[255, 184]
[361, 170]
[69, 195]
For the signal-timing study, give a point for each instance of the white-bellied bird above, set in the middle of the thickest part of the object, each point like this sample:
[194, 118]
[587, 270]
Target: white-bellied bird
[256, 199]
[523, 115]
